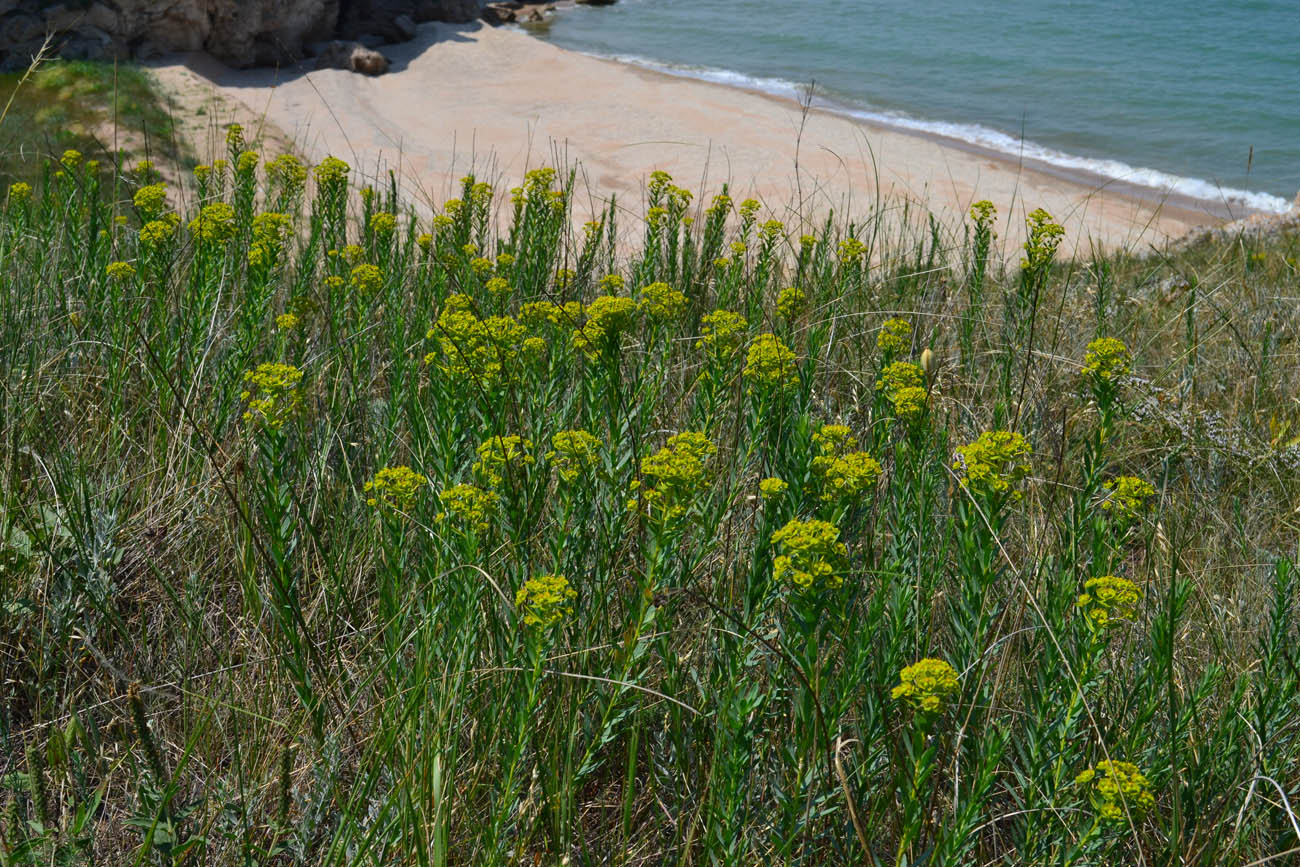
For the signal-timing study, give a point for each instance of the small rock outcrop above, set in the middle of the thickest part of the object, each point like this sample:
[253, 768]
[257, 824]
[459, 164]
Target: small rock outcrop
[239, 32]
[352, 56]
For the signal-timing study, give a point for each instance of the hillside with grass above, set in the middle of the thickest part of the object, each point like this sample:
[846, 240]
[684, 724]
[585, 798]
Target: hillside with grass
[332, 533]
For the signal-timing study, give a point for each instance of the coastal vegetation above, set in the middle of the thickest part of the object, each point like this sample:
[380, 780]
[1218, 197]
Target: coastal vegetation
[705, 532]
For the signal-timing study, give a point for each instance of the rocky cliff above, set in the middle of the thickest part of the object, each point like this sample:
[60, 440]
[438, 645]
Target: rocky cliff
[239, 32]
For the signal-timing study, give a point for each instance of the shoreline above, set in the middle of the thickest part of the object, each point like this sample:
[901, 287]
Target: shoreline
[1229, 204]
[503, 100]
[1188, 207]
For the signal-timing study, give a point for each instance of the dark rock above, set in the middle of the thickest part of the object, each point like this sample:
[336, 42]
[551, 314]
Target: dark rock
[352, 56]
[405, 26]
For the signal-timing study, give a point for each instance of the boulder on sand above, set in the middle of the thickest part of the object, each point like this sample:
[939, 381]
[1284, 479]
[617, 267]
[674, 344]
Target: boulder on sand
[352, 56]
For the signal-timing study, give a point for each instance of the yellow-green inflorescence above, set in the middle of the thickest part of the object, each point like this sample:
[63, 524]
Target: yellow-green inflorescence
[994, 463]
[770, 364]
[395, 487]
[845, 473]
[1109, 601]
[473, 348]
[791, 303]
[772, 488]
[608, 316]
[910, 403]
[1114, 786]
[574, 453]
[366, 279]
[271, 392]
[1127, 496]
[676, 475]
[723, 332]
[898, 376]
[215, 223]
[895, 336]
[470, 505]
[502, 457]
[662, 303]
[810, 555]
[120, 271]
[545, 600]
[1106, 363]
[926, 686]
[1044, 236]
[151, 200]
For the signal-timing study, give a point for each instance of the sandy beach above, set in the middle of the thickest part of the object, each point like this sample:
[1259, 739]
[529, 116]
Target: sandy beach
[497, 101]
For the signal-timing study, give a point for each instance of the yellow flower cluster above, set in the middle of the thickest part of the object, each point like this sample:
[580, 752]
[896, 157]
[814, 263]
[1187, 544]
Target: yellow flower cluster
[331, 171]
[983, 212]
[995, 462]
[481, 266]
[157, 232]
[810, 554]
[70, 159]
[846, 478]
[395, 487]
[898, 376]
[791, 302]
[851, 251]
[287, 171]
[286, 321]
[679, 473]
[771, 488]
[1127, 496]
[926, 686]
[845, 473]
[535, 314]
[247, 162]
[910, 404]
[723, 332]
[545, 600]
[1106, 362]
[662, 302]
[1109, 601]
[383, 223]
[608, 316]
[1044, 237]
[895, 336]
[473, 347]
[120, 271]
[498, 286]
[271, 392]
[502, 456]
[469, 504]
[270, 232]
[574, 453]
[770, 364]
[20, 192]
[215, 223]
[367, 279]
[151, 200]
[834, 439]
[1113, 786]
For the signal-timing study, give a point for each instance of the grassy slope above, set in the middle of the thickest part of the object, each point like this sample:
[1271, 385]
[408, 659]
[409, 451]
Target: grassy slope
[214, 646]
[95, 108]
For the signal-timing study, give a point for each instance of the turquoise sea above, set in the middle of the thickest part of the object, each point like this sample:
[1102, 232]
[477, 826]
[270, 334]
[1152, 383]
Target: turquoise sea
[1201, 97]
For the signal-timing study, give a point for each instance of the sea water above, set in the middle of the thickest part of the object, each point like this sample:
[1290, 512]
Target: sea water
[1198, 97]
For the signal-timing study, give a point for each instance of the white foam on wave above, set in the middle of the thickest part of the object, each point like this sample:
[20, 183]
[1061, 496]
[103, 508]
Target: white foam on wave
[982, 136]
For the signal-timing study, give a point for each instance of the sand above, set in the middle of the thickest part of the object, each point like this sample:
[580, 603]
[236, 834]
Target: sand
[497, 101]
